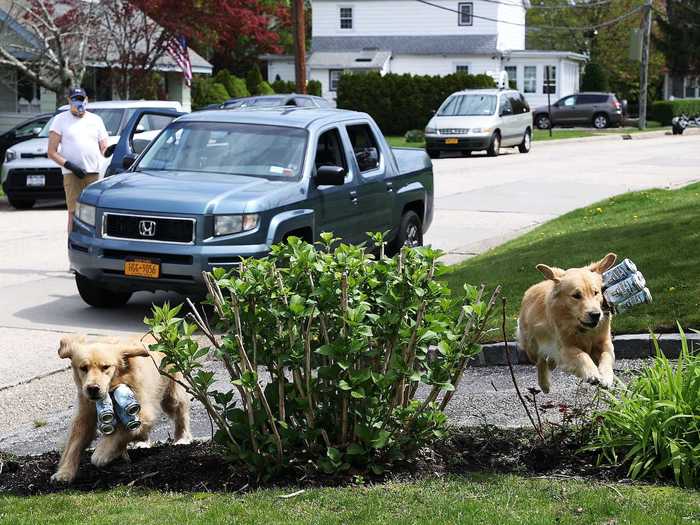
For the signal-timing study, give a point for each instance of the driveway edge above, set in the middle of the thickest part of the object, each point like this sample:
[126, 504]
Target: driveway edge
[616, 136]
[632, 346]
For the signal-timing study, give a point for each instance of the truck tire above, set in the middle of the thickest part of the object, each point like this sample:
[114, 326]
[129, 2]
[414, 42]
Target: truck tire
[97, 296]
[524, 146]
[21, 204]
[410, 233]
[433, 153]
[494, 145]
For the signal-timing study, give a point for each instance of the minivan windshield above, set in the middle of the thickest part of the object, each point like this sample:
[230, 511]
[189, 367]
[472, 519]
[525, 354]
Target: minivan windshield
[228, 148]
[111, 117]
[469, 105]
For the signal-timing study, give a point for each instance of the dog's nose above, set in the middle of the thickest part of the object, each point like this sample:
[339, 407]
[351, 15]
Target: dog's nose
[93, 390]
[594, 317]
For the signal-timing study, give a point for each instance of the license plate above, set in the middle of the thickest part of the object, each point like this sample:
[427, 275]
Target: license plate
[36, 180]
[142, 268]
[451, 141]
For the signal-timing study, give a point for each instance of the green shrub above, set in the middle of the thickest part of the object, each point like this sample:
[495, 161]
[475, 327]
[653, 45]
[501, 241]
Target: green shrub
[236, 87]
[414, 135]
[654, 425]
[283, 86]
[595, 78]
[265, 89]
[314, 87]
[253, 79]
[206, 91]
[664, 110]
[402, 102]
[326, 349]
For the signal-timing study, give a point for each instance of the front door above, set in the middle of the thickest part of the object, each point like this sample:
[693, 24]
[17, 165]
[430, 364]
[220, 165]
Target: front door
[564, 111]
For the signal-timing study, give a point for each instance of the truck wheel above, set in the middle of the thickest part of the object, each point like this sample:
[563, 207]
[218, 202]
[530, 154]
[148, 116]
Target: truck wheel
[410, 233]
[433, 153]
[98, 296]
[21, 204]
[494, 146]
[524, 146]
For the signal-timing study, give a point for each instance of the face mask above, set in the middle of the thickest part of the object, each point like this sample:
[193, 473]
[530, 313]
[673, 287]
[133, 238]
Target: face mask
[79, 105]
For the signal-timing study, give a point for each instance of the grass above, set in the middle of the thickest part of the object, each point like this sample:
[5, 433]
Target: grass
[480, 499]
[543, 134]
[659, 230]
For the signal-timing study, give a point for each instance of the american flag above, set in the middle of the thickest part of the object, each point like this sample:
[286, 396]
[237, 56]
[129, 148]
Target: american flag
[177, 48]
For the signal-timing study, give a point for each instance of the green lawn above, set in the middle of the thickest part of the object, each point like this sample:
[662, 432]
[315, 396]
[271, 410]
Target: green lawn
[501, 500]
[659, 230]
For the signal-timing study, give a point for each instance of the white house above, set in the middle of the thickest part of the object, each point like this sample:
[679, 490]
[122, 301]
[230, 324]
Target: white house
[435, 37]
[681, 86]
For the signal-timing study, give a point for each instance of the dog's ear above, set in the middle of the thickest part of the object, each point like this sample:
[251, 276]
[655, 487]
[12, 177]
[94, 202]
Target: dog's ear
[604, 264]
[553, 274]
[133, 350]
[67, 345]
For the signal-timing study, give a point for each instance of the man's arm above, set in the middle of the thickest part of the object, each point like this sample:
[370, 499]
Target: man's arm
[54, 141]
[103, 145]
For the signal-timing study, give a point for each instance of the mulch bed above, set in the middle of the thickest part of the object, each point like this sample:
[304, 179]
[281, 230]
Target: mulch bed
[199, 467]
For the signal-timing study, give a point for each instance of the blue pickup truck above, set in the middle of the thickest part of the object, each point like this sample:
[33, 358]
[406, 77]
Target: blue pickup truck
[218, 186]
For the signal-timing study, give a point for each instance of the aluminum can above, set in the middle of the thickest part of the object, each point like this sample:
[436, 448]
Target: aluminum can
[107, 428]
[622, 290]
[643, 297]
[105, 410]
[124, 397]
[619, 272]
[130, 421]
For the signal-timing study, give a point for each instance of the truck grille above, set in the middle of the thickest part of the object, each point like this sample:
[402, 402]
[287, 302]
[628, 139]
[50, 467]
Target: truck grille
[453, 131]
[179, 230]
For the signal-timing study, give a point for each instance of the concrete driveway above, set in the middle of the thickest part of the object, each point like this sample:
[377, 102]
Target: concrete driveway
[479, 201]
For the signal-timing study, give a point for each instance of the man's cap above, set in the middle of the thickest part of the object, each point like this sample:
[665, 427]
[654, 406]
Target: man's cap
[76, 92]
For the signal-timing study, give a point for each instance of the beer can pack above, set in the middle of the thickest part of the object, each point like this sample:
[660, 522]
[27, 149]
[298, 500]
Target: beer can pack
[619, 273]
[639, 298]
[624, 289]
[105, 415]
[130, 421]
[124, 398]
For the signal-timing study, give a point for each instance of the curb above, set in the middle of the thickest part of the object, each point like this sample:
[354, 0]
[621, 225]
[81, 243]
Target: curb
[632, 346]
[616, 136]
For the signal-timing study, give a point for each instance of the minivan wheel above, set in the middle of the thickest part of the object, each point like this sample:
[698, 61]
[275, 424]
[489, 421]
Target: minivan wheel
[97, 296]
[495, 145]
[524, 146]
[433, 153]
[410, 233]
[21, 204]
[600, 121]
[543, 121]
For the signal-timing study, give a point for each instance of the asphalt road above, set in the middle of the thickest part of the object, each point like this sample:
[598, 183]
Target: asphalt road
[479, 202]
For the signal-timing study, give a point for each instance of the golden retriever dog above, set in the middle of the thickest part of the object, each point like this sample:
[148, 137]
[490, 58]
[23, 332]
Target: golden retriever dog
[562, 322]
[98, 367]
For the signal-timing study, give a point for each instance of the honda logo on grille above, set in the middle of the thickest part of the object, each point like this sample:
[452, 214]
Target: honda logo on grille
[147, 228]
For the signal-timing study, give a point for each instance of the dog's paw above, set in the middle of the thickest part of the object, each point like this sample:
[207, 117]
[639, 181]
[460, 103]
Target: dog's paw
[62, 476]
[184, 440]
[142, 444]
[606, 380]
[592, 377]
[102, 457]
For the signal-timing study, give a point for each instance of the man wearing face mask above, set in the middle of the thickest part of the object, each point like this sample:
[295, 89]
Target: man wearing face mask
[82, 137]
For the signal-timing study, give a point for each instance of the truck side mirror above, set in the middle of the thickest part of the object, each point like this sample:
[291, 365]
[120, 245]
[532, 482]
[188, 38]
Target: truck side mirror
[128, 160]
[330, 176]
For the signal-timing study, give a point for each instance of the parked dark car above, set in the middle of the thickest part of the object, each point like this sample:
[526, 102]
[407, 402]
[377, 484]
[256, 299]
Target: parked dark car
[599, 110]
[261, 101]
[218, 186]
[26, 130]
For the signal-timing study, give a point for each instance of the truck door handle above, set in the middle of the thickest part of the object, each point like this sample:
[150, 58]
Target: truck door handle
[389, 186]
[353, 197]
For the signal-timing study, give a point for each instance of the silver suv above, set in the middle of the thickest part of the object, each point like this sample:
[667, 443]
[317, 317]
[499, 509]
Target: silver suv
[480, 119]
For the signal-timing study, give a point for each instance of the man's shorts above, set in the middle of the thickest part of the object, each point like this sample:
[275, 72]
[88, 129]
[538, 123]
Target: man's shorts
[74, 185]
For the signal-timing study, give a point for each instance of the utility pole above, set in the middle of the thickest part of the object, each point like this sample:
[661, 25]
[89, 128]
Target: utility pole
[644, 68]
[299, 22]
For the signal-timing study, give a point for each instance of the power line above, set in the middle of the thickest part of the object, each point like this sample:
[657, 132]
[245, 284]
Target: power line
[561, 6]
[563, 28]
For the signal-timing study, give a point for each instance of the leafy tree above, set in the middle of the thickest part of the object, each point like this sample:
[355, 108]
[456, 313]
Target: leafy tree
[595, 78]
[679, 36]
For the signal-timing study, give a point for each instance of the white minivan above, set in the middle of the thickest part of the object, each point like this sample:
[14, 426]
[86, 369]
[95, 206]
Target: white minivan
[480, 119]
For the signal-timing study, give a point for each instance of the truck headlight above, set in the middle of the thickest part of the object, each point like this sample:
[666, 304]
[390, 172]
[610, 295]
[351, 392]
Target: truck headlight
[430, 131]
[10, 155]
[228, 224]
[85, 213]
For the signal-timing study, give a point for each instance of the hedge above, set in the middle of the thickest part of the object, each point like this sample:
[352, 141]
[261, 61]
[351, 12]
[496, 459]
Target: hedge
[402, 102]
[664, 110]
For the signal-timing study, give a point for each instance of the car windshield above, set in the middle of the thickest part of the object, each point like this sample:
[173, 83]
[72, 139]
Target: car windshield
[468, 106]
[228, 148]
[267, 101]
[111, 117]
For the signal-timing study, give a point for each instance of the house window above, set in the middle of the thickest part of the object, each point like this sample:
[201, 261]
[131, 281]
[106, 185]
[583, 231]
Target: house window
[334, 78]
[346, 18]
[465, 13]
[691, 87]
[512, 76]
[462, 68]
[549, 81]
[530, 79]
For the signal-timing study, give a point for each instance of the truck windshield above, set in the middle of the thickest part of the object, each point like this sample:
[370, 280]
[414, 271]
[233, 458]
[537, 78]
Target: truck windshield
[468, 106]
[228, 148]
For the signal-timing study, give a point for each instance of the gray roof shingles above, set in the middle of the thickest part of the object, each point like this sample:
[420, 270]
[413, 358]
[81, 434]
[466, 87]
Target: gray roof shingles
[409, 45]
